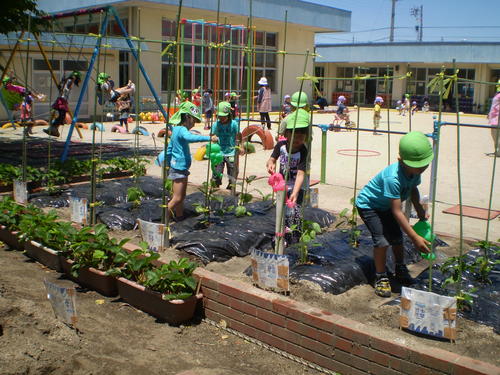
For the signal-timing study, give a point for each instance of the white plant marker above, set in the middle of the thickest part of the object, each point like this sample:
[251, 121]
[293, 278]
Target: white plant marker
[153, 234]
[428, 313]
[79, 210]
[20, 192]
[270, 271]
[63, 301]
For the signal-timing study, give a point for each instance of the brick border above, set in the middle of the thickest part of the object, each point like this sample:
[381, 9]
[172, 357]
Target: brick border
[326, 339]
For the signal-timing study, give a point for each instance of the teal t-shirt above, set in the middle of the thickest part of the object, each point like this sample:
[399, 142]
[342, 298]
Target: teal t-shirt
[391, 183]
[227, 136]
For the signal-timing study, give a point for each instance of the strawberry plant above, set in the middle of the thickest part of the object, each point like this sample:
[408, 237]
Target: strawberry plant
[133, 266]
[174, 280]
[11, 213]
[43, 228]
[94, 248]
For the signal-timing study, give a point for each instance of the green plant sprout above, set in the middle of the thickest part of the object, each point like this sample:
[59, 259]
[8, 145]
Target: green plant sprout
[134, 195]
[349, 219]
[307, 238]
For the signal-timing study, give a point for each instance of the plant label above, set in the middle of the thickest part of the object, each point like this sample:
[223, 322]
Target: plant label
[153, 234]
[270, 271]
[20, 192]
[79, 210]
[314, 197]
[428, 313]
[63, 301]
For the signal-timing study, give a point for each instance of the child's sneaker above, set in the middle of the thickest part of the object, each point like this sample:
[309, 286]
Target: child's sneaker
[383, 287]
[402, 275]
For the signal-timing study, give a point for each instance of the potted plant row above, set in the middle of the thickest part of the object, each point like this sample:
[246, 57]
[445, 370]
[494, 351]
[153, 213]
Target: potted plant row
[95, 260]
[167, 292]
[11, 215]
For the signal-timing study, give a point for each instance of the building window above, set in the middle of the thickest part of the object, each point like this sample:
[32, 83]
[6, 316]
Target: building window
[200, 62]
[124, 59]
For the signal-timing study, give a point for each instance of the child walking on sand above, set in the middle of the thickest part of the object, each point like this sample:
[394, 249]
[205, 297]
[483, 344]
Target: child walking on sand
[379, 206]
[179, 155]
[300, 119]
[124, 104]
[377, 109]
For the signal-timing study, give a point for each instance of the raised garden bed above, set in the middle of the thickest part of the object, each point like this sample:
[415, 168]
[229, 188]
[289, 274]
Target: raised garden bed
[173, 312]
[91, 278]
[43, 255]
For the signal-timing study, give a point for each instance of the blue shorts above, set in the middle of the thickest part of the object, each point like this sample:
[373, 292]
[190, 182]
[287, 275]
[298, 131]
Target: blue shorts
[383, 227]
[177, 174]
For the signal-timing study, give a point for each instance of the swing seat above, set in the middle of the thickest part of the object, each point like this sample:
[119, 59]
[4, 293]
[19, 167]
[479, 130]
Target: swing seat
[265, 136]
[8, 125]
[98, 126]
[200, 153]
[141, 131]
[119, 129]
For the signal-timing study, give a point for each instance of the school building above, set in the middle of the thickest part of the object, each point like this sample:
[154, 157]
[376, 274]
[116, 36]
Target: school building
[479, 61]
[155, 22]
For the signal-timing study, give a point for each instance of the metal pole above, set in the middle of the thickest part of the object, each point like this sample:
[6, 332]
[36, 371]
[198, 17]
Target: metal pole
[393, 14]
[323, 156]
[141, 67]
[97, 47]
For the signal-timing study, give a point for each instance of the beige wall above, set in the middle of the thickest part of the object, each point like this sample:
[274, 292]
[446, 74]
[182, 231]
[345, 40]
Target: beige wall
[298, 41]
[482, 92]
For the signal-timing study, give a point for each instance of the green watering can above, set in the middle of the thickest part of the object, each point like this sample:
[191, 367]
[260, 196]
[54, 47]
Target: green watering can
[423, 229]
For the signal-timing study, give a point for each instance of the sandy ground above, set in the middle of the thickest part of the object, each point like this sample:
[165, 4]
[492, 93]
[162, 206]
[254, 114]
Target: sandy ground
[335, 194]
[112, 337]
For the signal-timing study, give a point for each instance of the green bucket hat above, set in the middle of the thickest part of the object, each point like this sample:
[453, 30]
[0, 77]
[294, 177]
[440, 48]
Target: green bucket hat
[223, 109]
[498, 86]
[77, 74]
[303, 119]
[185, 107]
[415, 150]
[303, 99]
[101, 77]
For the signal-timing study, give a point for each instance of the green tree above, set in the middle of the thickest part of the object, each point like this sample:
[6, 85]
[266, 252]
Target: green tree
[15, 14]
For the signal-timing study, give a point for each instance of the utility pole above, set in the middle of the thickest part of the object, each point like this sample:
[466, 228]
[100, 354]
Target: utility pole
[418, 13]
[393, 14]
[421, 23]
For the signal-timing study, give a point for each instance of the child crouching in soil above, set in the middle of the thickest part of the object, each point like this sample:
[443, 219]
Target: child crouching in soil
[379, 205]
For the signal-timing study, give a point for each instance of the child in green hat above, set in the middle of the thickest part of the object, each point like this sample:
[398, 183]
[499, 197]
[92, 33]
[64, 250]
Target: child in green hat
[300, 120]
[299, 99]
[179, 155]
[379, 206]
[227, 130]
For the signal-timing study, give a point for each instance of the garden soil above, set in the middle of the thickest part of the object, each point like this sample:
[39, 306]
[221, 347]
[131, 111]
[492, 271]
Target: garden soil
[380, 315]
[112, 337]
